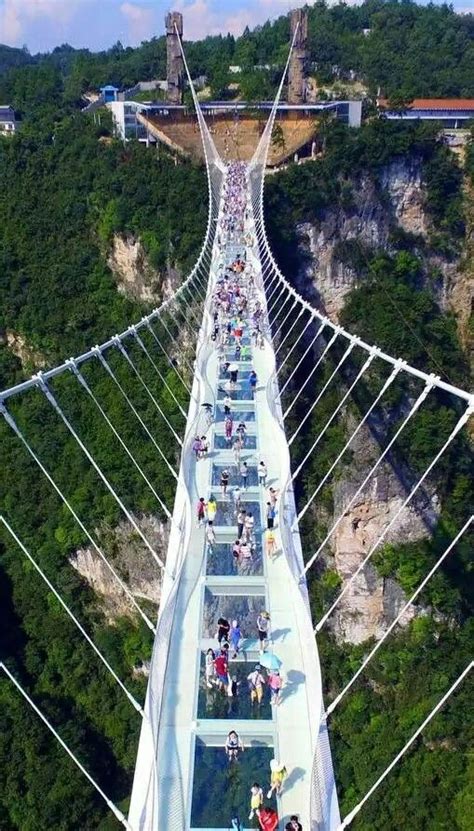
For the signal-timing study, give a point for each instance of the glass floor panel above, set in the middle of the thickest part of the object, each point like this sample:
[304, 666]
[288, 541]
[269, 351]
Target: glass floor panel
[221, 562]
[243, 608]
[221, 789]
[243, 375]
[237, 415]
[234, 477]
[227, 515]
[242, 393]
[220, 443]
[213, 703]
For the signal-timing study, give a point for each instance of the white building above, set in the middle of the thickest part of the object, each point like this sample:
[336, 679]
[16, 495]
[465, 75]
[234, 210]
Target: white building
[7, 120]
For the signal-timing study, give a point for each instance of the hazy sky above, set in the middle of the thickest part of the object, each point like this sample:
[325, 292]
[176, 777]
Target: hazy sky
[97, 24]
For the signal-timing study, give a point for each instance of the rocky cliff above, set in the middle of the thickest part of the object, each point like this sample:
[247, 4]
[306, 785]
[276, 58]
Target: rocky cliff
[132, 561]
[135, 276]
[376, 209]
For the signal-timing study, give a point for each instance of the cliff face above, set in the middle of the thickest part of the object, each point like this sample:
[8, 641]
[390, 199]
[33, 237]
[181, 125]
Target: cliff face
[135, 276]
[396, 201]
[132, 561]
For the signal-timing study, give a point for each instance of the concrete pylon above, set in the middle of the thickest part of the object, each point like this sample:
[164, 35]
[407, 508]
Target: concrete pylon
[299, 57]
[174, 60]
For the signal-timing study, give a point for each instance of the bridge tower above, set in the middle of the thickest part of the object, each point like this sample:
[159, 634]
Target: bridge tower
[174, 59]
[298, 60]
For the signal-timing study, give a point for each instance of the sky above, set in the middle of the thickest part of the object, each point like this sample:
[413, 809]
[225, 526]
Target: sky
[97, 24]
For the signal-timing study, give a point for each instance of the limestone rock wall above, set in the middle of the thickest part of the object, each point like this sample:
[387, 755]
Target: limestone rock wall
[131, 560]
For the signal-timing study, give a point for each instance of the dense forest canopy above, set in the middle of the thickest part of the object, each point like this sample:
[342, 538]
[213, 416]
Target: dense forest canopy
[409, 51]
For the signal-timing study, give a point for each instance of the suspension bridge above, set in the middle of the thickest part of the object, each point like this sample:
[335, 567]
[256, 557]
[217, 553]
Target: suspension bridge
[299, 357]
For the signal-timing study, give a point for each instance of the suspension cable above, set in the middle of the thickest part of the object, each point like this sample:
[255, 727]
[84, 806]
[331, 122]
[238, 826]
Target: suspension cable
[153, 333]
[380, 395]
[352, 814]
[86, 386]
[417, 404]
[460, 424]
[314, 369]
[74, 619]
[123, 351]
[12, 423]
[301, 359]
[121, 818]
[322, 391]
[157, 370]
[52, 400]
[397, 620]
[150, 435]
[331, 418]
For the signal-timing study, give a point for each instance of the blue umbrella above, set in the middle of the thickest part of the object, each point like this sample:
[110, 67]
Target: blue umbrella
[269, 661]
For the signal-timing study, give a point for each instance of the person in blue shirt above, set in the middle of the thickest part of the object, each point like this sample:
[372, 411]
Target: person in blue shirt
[253, 381]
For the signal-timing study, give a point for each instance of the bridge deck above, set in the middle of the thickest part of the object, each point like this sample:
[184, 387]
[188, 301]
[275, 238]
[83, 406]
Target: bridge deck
[192, 784]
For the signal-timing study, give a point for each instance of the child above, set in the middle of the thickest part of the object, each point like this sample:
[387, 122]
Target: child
[256, 799]
[270, 541]
[278, 774]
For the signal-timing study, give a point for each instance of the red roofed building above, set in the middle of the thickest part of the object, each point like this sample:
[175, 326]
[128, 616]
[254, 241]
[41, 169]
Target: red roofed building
[451, 112]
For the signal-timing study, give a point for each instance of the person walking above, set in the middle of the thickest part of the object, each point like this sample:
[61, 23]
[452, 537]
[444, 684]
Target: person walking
[235, 638]
[275, 684]
[253, 382]
[256, 683]
[237, 448]
[224, 481]
[270, 515]
[211, 508]
[197, 447]
[273, 495]
[256, 799]
[241, 517]
[210, 669]
[249, 525]
[270, 542]
[277, 775]
[241, 432]
[223, 629]
[294, 824]
[204, 449]
[222, 671]
[228, 429]
[227, 402]
[233, 372]
[244, 472]
[201, 511]
[233, 746]
[263, 629]
[262, 473]
[210, 536]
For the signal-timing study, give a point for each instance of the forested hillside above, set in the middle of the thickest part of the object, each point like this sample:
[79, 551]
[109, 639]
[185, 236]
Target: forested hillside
[409, 51]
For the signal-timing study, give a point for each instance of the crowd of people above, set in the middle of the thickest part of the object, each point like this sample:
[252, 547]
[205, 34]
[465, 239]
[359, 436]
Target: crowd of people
[237, 326]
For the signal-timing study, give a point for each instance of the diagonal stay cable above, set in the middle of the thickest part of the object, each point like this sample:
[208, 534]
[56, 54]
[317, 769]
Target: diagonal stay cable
[361, 423]
[308, 348]
[123, 351]
[399, 617]
[416, 405]
[116, 811]
[314, 369]
[170, 360]
[72, 616]
[14, 426]
[157, 370]
[150, 435]
[54, 403]
[459, 425]
[333, 415]
[323, 390]
[97, 403]
[352, 814]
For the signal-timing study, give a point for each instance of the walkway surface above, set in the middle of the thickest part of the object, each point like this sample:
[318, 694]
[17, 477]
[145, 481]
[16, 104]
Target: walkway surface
[183, 779]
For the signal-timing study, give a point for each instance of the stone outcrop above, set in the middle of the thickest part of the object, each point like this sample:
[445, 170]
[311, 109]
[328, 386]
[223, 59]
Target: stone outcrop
[375, 210]
[31, 359]
[134, 275]
[131, 560]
